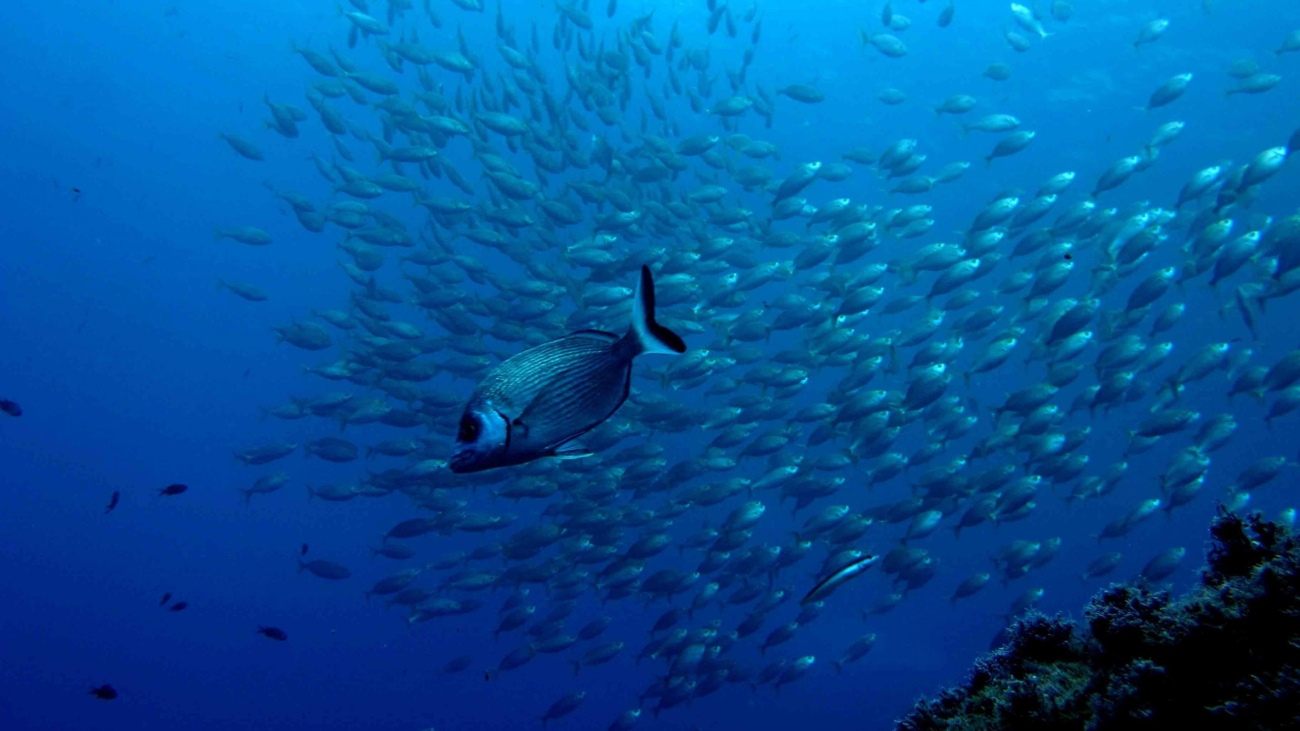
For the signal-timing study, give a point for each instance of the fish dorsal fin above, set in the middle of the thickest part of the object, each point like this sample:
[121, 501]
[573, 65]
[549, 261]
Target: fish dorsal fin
[595, 335]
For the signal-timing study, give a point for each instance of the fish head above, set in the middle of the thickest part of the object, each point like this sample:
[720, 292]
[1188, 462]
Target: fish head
[482, 440]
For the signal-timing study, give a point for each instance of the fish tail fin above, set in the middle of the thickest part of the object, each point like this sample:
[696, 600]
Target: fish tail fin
[647, 335]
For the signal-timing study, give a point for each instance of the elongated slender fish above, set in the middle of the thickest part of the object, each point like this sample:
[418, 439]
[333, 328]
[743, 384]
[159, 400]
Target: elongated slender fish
[537, 402]
[829, 584]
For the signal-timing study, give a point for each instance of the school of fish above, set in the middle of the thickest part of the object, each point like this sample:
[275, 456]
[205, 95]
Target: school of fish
[823, 333]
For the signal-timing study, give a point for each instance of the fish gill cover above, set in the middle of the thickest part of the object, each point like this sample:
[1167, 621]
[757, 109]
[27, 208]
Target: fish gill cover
[983, 305]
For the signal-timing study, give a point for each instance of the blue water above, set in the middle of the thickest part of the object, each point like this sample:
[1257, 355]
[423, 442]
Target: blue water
[136, 371]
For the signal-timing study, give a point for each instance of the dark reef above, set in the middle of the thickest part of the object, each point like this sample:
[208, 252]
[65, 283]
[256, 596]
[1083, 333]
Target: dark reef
[1224, 656]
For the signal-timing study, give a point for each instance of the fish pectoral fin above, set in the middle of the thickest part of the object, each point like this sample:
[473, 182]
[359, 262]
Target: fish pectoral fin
[570, 450]
[519, 423]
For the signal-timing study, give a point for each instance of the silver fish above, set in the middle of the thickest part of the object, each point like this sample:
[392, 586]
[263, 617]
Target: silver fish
[538, 401]
[832, 582]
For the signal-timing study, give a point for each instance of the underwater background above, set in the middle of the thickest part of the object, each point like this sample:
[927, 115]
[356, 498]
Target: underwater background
[136, 370]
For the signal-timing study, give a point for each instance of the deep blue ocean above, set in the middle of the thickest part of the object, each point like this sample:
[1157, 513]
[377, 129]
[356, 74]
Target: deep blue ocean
[134, 369]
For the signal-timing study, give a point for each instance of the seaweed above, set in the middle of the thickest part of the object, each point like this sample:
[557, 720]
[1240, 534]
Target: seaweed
[1223, 656]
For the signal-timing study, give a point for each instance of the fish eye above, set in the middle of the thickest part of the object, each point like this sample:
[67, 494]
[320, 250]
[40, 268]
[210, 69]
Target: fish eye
[468, 428]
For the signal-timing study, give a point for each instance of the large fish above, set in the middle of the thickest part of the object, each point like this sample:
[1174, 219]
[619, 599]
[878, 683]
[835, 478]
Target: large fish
[536, 403]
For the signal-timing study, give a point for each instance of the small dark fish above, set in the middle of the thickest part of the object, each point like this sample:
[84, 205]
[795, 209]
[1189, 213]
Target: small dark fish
[537, 402]
[104, 692]
[945, 16]
[178, 607]
[457, 664]
[166, 598]
[11, 408]
[112, 501]
[175, 489]
[274, 633]
[832, 582]
[303, 552]
[326, 569]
